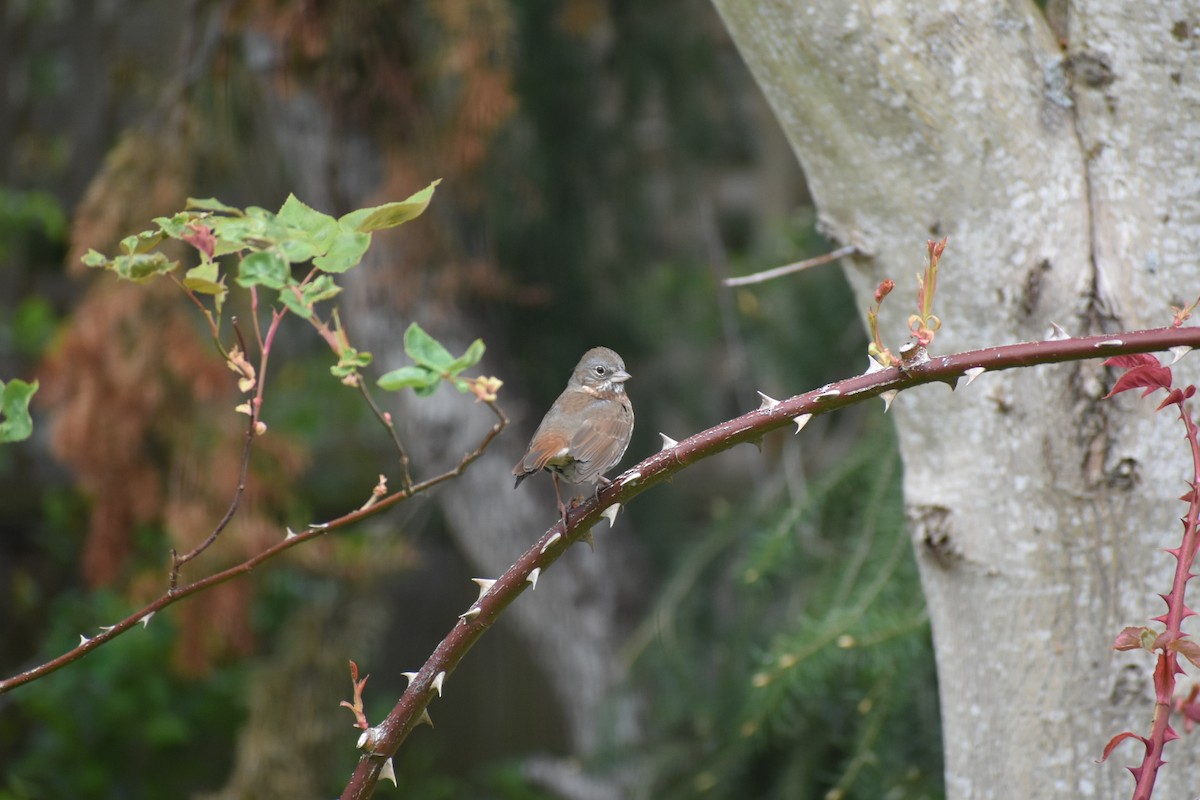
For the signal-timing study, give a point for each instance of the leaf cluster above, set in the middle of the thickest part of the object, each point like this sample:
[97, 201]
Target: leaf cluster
[269, 245]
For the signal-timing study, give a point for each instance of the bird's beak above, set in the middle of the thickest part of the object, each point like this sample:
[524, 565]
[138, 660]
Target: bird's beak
[620, 376]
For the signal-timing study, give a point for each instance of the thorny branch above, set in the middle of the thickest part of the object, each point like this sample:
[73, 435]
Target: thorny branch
[382, 741]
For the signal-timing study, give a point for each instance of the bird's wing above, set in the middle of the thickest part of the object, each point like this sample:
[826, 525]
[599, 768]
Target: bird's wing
[598, 444]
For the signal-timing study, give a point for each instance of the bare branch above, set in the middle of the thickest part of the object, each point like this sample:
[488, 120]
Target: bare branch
[779, 272]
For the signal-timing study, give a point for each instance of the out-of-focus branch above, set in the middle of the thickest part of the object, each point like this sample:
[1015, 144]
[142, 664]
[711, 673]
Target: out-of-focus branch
[788, 269]
[175, 594]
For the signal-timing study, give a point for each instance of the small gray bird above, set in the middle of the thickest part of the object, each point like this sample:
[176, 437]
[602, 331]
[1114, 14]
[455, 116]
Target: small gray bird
[586, 431]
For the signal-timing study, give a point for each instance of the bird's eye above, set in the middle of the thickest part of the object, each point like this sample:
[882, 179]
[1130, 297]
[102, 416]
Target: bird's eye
[600, 369]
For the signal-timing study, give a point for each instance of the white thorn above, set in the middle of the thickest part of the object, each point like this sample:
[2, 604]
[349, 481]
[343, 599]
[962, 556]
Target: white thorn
[425, 718]
[873, 366]
[888, 397]
[1110, 343]
[319, 526]
[829, 393]
[632, 477]
[146, 619]
[551, 541]
[388, 773]
[534, 574]
[1056, 333]
[484, 585]
[610, 514]
[107, 628]
[801, 421]
[362, 740]
[470, 614]
[1179, 352]
[409, 675]
[668, 442]
[291, 534]
[436, 686]
[767, 402]
[83, 640]
[973, 373]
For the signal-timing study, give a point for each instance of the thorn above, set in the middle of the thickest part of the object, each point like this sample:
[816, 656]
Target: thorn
[484, 585]
[632, 477]
[146, 619]
[551, 541]
[1179, 351]
[801, 421]
[758, 444]
[388, 773]
[888, 397]
[912, 355]
[610, 514]
[767, 402]
[363, 739]
[1056, 333]
[410, 676]
[1110, 343]
[470, 614]
[425, 718]
[668, 442]
[973, 373]
[438, 679]
[107, 628]
[590, 539]
[829, 393]
[873, 366]
[534, 574]
[291, 534]
[83, 640]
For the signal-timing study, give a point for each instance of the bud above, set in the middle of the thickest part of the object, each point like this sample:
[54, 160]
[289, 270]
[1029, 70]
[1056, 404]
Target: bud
[885, 288]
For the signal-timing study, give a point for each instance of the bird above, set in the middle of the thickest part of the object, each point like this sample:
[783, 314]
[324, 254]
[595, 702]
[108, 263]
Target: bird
[586, 431]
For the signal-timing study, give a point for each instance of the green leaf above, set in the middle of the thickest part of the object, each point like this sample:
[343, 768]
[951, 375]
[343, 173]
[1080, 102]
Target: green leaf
[425, 350]
[468, 359]
[389, 215]
[94, 258]
[319, 229]
[298, 250]
[264, 268]
[322, 288]
[423, 381]
[351, 361]
[205, 279]
[344, 252]
[142, 242]
[143, 267]
[211, 204]
[176, 226]
[15, 423]
[295, 304]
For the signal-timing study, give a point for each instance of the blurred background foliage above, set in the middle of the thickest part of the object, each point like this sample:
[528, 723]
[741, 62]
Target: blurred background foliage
[605, 164]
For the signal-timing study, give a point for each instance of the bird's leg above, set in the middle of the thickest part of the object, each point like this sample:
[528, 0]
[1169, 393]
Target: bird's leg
[562, 508]
[601, 482]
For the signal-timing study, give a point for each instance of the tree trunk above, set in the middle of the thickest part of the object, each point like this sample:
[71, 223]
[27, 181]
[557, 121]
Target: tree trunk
[1067, 184]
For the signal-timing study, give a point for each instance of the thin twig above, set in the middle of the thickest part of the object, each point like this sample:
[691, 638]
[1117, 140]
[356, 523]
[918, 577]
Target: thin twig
[252, 431]
[778, 272]
[386, 420]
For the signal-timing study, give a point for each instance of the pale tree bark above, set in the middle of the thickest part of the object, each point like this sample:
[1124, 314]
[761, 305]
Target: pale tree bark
[1068, 181]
